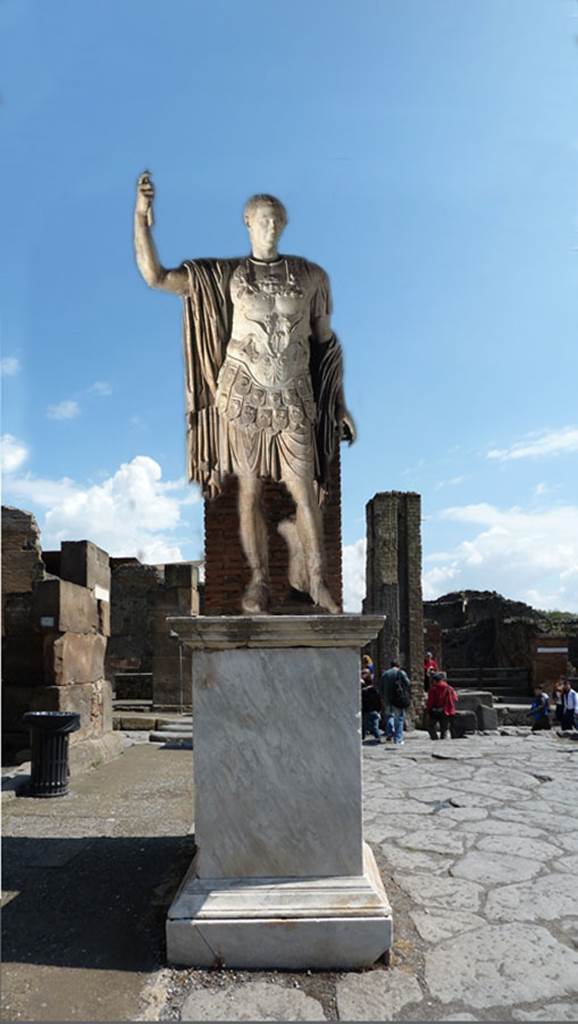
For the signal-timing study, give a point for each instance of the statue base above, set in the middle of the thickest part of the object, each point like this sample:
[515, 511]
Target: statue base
[339, 923]
[282, 878]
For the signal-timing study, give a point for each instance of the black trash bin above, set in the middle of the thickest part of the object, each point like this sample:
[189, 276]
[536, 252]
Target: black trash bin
[49, 732]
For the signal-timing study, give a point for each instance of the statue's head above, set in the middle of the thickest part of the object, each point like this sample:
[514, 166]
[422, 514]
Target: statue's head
[265, 217]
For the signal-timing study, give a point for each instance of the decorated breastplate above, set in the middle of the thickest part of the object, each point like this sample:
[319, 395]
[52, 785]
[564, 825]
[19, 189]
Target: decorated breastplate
[265, 383]
[271, 321]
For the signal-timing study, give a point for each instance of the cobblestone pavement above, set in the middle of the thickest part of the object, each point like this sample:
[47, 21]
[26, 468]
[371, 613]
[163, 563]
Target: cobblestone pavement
[477, 841]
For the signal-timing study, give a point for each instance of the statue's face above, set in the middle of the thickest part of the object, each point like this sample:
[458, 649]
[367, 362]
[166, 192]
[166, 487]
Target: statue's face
[265, 226]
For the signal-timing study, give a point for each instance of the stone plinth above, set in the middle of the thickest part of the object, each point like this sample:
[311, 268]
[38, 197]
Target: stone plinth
[281, 878]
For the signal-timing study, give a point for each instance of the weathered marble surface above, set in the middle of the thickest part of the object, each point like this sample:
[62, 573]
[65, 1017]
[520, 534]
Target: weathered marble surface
[225, 632]
[281, 878]
[277, 763]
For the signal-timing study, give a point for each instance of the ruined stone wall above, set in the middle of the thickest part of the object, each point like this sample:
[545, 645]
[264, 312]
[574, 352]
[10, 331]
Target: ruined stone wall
[144, 660]
[55, 631]
[226, 571]
[393, 581]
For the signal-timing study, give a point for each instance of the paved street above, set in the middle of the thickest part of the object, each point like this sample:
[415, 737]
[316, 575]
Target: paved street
[477, 841]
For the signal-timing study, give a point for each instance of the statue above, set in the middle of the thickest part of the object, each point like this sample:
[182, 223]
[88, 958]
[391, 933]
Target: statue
[263, 384]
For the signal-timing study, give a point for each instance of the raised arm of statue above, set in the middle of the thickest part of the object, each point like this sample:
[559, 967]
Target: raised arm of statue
[155, 275]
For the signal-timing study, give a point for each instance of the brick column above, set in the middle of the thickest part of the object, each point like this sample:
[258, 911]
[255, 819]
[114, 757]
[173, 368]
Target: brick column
[226, 571]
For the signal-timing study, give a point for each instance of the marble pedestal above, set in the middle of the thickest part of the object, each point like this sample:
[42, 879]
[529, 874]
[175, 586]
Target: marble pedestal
[282, 878]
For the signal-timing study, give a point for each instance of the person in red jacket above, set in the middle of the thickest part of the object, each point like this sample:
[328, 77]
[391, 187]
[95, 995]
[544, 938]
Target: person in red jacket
[430, 666]
[441, 706]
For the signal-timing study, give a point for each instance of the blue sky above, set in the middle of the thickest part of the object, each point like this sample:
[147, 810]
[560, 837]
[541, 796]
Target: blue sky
[428, 155]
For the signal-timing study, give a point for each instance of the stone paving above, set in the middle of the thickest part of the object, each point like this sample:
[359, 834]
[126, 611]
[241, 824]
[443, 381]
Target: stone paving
[477, 841]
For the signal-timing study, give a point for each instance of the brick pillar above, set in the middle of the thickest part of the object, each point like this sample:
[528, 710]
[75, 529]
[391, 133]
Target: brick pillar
[393, 581]
[226, 571]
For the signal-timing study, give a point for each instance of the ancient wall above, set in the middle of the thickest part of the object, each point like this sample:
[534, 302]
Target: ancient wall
[226, 571]
[393, 581]
[55, 631]
[144, 661]
[482, 629]
[172, 662]
[550, 660]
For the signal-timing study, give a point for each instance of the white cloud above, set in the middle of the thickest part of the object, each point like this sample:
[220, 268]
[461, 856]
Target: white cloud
[66, 410]
[453, 481]
[9, 366]
[14, 453]
[518, 552]
[133, 512]
[101, 388]
[551, 442]
[354, 575]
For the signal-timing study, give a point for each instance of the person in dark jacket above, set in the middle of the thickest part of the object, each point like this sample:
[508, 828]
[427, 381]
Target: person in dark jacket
[370, 707]
[441, 706]
[395, 690]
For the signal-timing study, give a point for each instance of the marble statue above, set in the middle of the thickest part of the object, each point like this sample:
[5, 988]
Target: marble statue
[264, 385]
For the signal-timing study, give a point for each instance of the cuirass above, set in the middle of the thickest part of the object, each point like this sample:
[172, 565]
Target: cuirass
[265, 381]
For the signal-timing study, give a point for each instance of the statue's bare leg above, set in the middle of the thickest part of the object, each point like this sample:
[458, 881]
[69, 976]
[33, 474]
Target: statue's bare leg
[309, 532]
[253, 531]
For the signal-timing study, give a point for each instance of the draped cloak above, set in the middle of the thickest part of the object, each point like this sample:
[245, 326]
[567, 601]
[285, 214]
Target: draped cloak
[207, 324]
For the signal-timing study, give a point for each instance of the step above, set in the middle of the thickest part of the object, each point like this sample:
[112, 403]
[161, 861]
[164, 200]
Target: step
[171, 737]
[185, 728]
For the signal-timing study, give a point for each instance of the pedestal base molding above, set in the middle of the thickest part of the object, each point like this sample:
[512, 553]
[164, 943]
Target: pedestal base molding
[335, 923]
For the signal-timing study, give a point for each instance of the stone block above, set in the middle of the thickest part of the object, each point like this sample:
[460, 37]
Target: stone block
[74, 658]
[182, 574]
[469, 700]
[298, 786]
[86, 699]
[22, 564]
[103, 609]
[65, 607]
[487, 717]
[84, 563]
[464, 722]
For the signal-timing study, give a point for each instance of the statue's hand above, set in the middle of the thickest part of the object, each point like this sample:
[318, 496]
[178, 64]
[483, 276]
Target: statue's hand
[348, 428]
[145, 193]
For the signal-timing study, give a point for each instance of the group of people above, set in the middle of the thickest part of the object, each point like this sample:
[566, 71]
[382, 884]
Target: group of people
[385, 701]
[565, 700]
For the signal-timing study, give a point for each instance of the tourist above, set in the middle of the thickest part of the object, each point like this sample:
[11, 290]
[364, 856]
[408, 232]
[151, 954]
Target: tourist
[557, 697]
[430, 666]
[569, 706]
[395, 690]
[540, 709]
[370, 706]
[367, 663]
[441, 706]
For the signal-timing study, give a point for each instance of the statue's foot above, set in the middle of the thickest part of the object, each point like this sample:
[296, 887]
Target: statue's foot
[322, 597]
[256, 598]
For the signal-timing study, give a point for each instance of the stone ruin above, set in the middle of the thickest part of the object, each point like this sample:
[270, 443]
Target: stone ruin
[393, 583]
[144, 661]
[55, 625]
[481, 629]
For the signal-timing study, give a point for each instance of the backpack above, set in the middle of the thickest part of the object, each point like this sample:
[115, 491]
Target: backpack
[400, 693]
